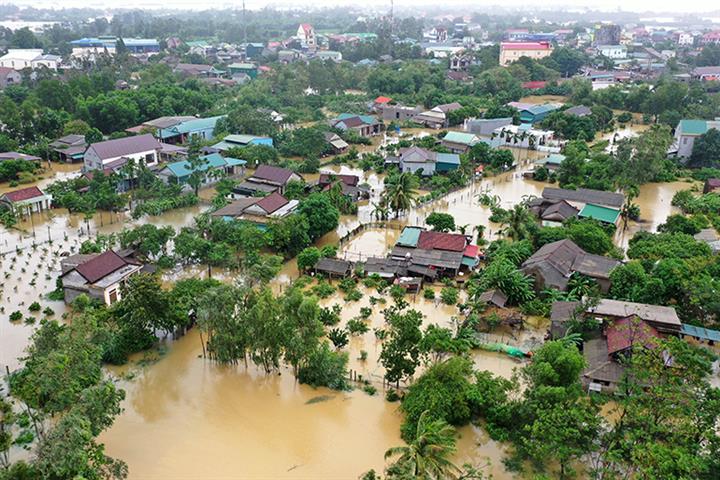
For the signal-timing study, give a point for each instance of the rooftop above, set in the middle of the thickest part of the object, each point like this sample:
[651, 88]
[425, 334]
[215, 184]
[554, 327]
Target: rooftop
[23, 194]
[585, 195]
[600, 213]
[125, 146]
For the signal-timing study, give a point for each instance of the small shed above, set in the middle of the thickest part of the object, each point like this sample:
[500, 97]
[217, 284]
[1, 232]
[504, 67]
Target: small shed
[334, 267]
[494, 297]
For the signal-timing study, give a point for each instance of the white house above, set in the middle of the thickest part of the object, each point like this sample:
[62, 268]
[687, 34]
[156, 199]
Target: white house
[20, 58]
[306, 35]
[685, 39]
[612, 51]
[142, 148]
[101, 277]
[687, 131]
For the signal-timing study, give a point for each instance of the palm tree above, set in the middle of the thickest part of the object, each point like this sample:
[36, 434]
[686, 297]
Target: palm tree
[400, 192]
[380, 211]
[428, 455]
[518, 222]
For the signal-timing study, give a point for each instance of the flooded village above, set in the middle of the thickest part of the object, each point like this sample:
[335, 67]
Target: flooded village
[358, 255]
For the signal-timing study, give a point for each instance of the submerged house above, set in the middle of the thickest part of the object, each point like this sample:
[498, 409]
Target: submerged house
[214, 165]
[26, 200]
[258, 209]
[554, 263]
[552, 213]
[362, 125]
[184, 131]
[349, 185]
[267, 179]
[426, 162]
[70, 148]
[583, 196]
[437, 117]
[533, 113]
[458, 142]
[144, 149]
[100, 277]
[337, 144]
[430, 254]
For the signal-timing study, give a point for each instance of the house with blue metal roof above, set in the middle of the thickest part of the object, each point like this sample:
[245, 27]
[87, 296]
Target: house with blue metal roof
[215, 165]
[202, 128]
[133, 45]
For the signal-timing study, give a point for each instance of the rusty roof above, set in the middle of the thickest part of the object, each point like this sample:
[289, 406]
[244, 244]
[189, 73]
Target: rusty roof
[23, 194]
[273, 174]
[453, 242]
[272, 202]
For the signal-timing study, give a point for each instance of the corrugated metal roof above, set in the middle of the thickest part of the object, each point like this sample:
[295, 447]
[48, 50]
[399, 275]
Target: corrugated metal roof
[693, 127]
[409, 236]
[598, 212]
[462, 138]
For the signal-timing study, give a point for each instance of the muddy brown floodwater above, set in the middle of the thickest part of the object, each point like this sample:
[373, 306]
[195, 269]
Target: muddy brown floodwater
[188, 418]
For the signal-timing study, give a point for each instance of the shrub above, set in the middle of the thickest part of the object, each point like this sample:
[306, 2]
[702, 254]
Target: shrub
[353, 295]
[48, 312]
[429, 293]
[330, 316]
[449, 295]
[357, 327]
[16, 316]
[34, 307]
[323, 289]
[370, 390]
[325, 368]
[392, 395]
[365, 312]
[339, 337]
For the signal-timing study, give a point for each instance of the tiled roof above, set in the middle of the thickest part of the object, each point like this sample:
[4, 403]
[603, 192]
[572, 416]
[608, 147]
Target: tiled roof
[327, 178]
[272, 202]
[585, 195]
[453, 242]
[628, 332]
[382, 99]
[273, 174]
[101, 266]
[23, 194]
[125, 146]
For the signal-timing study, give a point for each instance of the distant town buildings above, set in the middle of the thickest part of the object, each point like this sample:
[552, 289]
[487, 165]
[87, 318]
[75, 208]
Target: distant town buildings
[513, 51]
[32, 58]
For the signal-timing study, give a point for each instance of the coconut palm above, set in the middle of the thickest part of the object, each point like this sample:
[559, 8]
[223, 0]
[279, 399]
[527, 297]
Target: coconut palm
[400, 192]
[428, 455]
[518, 222]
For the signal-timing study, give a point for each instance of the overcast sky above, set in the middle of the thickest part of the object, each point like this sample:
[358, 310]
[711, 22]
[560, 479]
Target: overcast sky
[655, 7]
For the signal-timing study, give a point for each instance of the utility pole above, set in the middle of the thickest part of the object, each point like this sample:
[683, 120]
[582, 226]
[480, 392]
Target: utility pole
[244, 28]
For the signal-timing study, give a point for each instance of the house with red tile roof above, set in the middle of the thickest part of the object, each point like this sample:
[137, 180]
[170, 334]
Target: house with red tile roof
[26, 200]
[101, 277]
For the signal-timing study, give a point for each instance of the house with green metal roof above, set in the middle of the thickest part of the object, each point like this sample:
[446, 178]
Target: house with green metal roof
[214, 165]
[533, 113]
[250, 69]
[202, 128]
[446, 162]
[687, 131]
[409, 237]
[600, 213]
[551, 162]
[459, 142]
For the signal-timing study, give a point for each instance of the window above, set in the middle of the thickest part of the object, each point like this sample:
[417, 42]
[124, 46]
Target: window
[150, 158]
